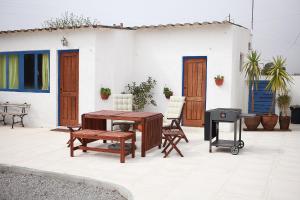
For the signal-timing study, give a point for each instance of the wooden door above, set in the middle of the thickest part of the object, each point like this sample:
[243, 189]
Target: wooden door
[194, 91]
[69, 88]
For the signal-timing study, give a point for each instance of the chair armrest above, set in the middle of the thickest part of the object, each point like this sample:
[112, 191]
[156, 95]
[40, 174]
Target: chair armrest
[172, 118]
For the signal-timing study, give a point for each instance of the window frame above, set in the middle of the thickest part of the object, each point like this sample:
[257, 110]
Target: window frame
[20, 55]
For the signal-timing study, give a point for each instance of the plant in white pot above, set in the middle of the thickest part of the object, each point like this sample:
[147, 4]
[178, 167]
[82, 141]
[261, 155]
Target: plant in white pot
[252, 73]
[284, 102]
[279, 79]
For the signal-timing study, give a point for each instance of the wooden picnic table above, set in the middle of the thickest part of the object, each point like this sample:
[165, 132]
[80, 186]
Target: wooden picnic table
[149, 123]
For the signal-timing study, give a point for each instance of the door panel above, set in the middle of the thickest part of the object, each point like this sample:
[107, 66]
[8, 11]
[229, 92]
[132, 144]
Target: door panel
[69, 88]
[194, 91]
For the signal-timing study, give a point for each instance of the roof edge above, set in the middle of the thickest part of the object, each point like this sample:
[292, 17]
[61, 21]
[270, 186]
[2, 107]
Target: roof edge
[120, 27]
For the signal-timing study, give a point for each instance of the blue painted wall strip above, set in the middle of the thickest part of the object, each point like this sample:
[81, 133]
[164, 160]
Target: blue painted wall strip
[262, 99]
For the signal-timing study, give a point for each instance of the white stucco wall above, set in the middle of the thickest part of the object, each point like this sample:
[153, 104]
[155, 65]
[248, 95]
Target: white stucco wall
[240, 39]
[295, 91]
[114, 63]
[113, 58]
[44, 111]
[159, 53]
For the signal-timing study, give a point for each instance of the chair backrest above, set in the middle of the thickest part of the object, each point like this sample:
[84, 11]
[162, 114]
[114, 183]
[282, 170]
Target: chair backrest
[175, 107]
[122, 102]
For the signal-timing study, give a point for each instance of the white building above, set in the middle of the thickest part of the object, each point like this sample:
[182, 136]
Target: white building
[113, 56]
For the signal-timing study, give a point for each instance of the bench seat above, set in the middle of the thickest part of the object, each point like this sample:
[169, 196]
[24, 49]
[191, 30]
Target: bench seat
[86, 136]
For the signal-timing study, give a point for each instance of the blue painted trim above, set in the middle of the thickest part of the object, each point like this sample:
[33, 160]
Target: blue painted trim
[25, 52]
[58, 80]
[184, 58]
[24, 90]
[20, 55]
[58, 88]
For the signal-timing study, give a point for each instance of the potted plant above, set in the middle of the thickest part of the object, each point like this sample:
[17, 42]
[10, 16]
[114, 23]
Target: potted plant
[142, 93]
[278, 80]
[252, 73]
[105, 93]
[283, 102]
[167, 92]
[219, 80]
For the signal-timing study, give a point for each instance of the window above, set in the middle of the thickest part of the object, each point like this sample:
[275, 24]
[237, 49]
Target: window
[24, 71]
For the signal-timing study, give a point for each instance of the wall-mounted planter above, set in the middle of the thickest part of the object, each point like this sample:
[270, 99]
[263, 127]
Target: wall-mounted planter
[105, 93]
[219, 80]
[168, 92]
[104, 96]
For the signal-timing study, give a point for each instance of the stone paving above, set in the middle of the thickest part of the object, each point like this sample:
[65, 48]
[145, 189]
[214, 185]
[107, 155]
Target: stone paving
[267, 168]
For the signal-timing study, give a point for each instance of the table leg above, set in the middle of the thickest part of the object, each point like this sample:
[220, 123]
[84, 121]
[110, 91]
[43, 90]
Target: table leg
[133, 147]
[71, 145]
[143, 149]
[122, 156]
[84, 143]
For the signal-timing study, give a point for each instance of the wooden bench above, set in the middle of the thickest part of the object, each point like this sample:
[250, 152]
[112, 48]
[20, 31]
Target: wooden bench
[86, 136]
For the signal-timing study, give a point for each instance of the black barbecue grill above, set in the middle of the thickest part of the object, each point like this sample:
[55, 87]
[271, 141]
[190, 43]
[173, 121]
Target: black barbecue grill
[213, 118]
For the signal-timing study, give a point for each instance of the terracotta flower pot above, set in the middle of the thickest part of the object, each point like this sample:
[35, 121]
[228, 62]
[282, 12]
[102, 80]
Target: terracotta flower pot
[104, 96]
[269, 121]
[252, 122]
[284, 122]
[169, 95]
[219, 82]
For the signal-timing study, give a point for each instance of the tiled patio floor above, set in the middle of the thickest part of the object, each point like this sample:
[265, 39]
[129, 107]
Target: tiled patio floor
[267, 168]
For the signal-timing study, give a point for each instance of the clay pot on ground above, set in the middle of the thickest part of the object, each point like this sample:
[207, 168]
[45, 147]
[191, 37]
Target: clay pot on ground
[252, 122]
[219, 82]
[269, 121]
[284, 122]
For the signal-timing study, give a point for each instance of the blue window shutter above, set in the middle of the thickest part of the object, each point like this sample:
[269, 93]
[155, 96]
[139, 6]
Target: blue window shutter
[262, 99]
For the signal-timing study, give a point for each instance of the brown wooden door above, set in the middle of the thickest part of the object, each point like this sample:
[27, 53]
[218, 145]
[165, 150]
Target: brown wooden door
[69, 88]
[194, 91]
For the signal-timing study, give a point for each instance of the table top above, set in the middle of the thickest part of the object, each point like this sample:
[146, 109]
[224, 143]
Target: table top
[113, 114]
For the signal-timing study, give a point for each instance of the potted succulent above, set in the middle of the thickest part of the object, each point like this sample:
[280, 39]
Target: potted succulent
[105, 93]
[167, 92]
[283, 102]
[219, 80]
[278, 80]
[252, 73]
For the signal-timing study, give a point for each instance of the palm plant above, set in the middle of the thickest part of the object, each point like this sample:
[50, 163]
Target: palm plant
[279, 78]
[252, 72]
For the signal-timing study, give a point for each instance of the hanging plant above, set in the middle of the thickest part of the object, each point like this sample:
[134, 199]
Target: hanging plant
[105, 93]
[168, 92]
[219, 80]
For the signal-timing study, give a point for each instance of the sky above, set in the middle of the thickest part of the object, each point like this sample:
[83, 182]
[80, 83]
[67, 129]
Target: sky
[276, 28]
